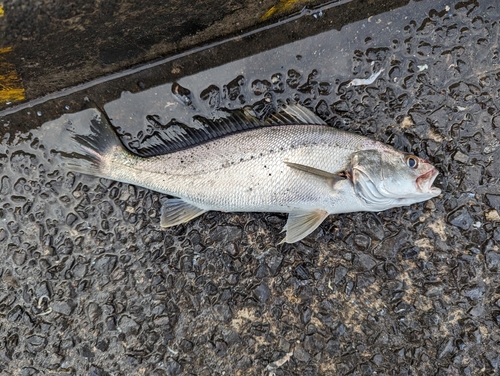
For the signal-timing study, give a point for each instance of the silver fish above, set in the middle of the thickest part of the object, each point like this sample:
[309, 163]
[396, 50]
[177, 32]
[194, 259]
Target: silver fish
[290, 163]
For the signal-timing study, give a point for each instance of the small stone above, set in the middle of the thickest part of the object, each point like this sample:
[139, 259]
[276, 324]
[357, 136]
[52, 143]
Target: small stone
[128, 325]
[492, 215]
[430, 205]
[102, 345]
[494, 359]
[477, 311]
[19, 257]
[340, 273]
[274, 264]
[29, 371]
[262, 271]
[284, 345]
[493, 201]
[96, 371]
[94, 312]
[474, 293]
[410, 253]
[433, 291]
[36, 343]
[333, 348]
[461, 218]
[232, 279]
[111, 323]
[302, 272]
[492, 260]
[230, 337]
[244, 363]
[306, 315]
[173, 368]
[223, 312]
[362, 241]
[377, 359]
[9, 279]
[407, 122]
[87, 353]
[105, 264]
[366, 261]
[461, 157]
[225, 234]
[64, 308]
[301, 355]
[262, 292]
[446, 348]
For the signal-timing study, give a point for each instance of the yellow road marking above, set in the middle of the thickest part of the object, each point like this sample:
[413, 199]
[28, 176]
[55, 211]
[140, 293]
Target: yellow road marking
[11, 85]
[282, 7]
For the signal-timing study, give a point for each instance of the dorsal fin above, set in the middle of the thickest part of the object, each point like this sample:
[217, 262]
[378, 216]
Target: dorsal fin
[297, 114]
[178, 136]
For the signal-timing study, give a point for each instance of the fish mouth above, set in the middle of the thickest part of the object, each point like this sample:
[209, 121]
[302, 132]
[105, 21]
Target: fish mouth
[424, 182]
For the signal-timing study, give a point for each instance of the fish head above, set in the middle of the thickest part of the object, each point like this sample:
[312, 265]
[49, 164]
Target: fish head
[387, 178]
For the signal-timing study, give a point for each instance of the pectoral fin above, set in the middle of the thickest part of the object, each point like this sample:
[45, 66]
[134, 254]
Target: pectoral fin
[334, 177]
[175, 211]
[302, 223]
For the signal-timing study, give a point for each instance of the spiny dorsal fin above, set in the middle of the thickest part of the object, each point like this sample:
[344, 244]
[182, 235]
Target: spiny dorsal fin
[297, 114]
[178, 136]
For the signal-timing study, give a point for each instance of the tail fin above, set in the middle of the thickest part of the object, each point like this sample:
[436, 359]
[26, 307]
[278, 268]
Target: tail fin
[95, 151]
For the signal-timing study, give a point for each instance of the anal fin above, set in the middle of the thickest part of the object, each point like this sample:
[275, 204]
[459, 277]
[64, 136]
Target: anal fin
[175, 211]
[302, 223]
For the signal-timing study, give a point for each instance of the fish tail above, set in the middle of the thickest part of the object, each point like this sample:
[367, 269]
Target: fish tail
[97, 151]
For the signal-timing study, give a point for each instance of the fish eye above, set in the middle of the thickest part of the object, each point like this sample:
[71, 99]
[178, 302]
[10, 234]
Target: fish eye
[411, 161]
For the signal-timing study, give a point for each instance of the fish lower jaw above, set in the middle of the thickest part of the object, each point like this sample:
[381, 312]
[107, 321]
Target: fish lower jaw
[424, 182]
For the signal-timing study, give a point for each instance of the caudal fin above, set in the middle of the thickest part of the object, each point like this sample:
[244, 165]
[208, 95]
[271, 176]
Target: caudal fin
[95, 152]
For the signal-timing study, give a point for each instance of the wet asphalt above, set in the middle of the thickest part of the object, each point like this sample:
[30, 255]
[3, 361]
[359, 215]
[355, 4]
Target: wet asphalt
[91, 285]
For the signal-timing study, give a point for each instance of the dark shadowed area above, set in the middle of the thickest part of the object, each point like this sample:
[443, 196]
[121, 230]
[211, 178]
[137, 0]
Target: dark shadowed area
[92, 285]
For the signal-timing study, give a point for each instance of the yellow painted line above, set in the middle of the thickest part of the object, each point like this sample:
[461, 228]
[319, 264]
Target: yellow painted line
[283, 6]
[11, 85]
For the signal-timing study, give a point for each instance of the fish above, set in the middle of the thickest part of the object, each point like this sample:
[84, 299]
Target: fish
[290, 162]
